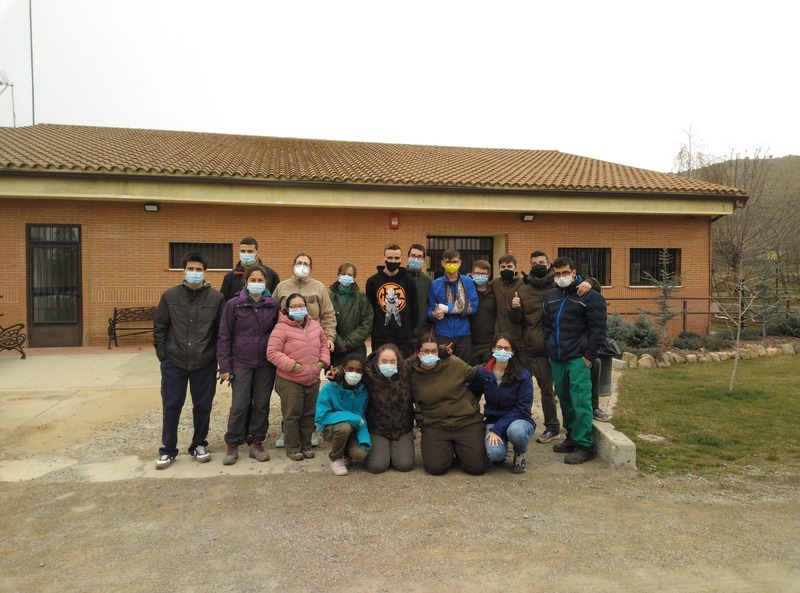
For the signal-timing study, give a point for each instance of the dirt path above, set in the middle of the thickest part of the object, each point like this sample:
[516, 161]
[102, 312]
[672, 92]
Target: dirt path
[83, 509]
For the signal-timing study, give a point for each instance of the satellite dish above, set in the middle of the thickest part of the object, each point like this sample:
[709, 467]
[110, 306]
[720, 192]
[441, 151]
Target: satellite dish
[6, 84]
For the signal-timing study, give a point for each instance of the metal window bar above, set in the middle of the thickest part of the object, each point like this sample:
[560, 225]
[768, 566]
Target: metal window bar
[645, 261]
[591, 262]
[218, 256]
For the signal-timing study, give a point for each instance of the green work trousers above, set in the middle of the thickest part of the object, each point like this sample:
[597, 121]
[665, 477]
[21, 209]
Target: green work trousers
[574, 387]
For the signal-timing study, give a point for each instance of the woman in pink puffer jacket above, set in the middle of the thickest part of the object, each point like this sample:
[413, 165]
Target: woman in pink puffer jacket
[298, 348]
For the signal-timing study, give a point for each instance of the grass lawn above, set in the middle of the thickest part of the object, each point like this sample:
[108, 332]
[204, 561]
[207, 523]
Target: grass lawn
[754, 430]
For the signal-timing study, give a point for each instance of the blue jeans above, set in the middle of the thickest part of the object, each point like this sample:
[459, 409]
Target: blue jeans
[519, 433]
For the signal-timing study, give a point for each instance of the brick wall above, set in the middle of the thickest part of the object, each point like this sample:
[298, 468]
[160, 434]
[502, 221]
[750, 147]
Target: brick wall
[125, 250]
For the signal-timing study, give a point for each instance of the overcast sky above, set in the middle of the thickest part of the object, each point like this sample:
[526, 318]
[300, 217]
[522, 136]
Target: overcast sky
[616, 81]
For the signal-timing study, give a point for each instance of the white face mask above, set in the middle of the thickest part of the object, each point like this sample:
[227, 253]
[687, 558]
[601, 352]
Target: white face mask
[564, 281]
[352, 378]
[301, 271]
[247, 259]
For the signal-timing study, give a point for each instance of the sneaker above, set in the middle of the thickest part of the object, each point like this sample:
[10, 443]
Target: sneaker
[339, 467]
[307, 453]
[601, 415]
[548, 435]
[579, 455]
[201, 454]
[566, 446]
[297, 456]
[164, 461]
[314, 439]
[279, 442]
[519, 463]
[257, 451]
[231, 455]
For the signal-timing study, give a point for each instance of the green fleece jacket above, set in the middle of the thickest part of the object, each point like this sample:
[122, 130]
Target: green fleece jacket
[442, 396]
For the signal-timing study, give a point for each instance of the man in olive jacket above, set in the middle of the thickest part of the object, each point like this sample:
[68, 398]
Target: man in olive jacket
[185, 332]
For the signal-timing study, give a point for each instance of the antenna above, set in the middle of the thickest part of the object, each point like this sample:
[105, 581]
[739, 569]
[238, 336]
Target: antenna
[6, 84]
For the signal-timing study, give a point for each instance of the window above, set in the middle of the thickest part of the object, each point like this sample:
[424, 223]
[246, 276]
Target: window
[591, 262]
[219, 256]
[649, 262]
[470, 248]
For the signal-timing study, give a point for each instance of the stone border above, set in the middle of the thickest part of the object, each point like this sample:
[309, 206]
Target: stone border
[747, 351]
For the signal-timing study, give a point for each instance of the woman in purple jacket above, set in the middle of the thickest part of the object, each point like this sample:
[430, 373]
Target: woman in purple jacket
[244, 330]
[508, 390]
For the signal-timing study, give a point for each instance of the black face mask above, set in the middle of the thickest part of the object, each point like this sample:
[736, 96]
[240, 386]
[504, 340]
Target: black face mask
[539, 271]
[392, 266]
[507, 275]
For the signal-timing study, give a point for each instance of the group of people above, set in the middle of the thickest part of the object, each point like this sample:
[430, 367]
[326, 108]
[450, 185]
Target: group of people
[438, 348]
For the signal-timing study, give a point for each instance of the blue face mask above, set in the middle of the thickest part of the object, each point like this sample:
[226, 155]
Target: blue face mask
[194, 277]
[298, 314]
[345, 280]
[388, 370]
[247, 259]
[255, 288]
[415, 265]
[429, 359]
[502, 355]
[480, 279]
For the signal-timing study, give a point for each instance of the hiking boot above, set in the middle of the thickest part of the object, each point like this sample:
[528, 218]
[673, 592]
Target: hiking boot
[600, 415]
[548, 435]
[339, 467]
[579, 455]
[164, 461]
[201, 454]
[566, 446]
[307, 453]
[519, 463]
[231, 455]
[257, 451]
[296, 456]
[314, 439]
[279, 442]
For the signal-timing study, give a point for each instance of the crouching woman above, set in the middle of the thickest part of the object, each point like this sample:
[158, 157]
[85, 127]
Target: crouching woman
[341, 408]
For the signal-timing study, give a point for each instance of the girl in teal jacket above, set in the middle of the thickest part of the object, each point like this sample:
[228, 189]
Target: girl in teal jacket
[340, 415]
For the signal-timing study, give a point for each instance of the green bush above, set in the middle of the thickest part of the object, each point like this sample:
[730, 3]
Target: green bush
[715, 342]
[642, 333]
[790, 325]
[618, 330]
[688, 341]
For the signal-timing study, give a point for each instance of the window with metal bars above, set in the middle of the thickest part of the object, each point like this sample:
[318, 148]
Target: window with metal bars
[470, 248]
[591, 262]
[218, 256]
[646, 265]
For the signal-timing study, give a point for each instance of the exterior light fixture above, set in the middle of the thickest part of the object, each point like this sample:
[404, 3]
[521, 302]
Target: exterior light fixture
[527, 218]
[151, 207]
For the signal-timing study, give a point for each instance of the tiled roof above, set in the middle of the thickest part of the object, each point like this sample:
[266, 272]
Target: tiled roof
[83, 149]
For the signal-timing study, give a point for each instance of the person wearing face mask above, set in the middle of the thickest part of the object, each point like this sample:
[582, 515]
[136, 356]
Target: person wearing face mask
[416, 269]
[452, 300]
[448, 411]
[233, 283]
[247, 322]
[298, 349]
[393, 296]
[481, 325]
[185, 330]
[353, 315]
[526, 312]
[505, 289]
[320, 308]
[508, 390]
[574, 330]
[341, 415]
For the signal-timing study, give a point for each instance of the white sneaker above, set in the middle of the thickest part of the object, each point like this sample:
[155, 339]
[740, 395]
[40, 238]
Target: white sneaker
[164, 461]
[314, 439]
[279, 442]
[339, 468]
[201, 454]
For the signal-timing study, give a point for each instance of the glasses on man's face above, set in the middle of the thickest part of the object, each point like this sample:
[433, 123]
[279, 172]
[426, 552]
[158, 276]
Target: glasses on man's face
[426, 352]
[506, 348]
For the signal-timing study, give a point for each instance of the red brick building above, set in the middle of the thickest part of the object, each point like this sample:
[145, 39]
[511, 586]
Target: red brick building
[97, 218]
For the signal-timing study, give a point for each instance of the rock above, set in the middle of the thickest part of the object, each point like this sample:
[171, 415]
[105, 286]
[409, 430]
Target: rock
[762, 351]
[665, 360]
[704, 357]
[630, 358]
[651, 438]
[677, 358]
[691, 358]
[661, 364]
[772, 351]
[714, 356]
[725, 356]
[787, 349]
[646, 361]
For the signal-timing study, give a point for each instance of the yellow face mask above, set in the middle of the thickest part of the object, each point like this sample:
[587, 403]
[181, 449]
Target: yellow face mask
[451, 268]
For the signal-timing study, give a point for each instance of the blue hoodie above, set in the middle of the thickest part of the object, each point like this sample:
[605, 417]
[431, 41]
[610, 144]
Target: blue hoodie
[337, 404]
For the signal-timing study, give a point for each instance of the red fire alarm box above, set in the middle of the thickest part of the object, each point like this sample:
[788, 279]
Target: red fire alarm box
[394, 221]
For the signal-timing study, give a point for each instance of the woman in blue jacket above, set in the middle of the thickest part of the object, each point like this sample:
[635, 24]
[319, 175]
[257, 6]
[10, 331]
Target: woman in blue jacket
[508, 390]
[245, 327]
[340, 415]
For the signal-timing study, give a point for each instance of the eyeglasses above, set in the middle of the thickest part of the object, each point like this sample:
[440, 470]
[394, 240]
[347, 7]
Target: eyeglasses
[506, 348]
[296, 307]
[427, 352]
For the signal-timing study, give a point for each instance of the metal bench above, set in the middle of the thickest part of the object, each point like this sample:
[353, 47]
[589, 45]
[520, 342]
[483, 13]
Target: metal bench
[127, 316]
[12, 338]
